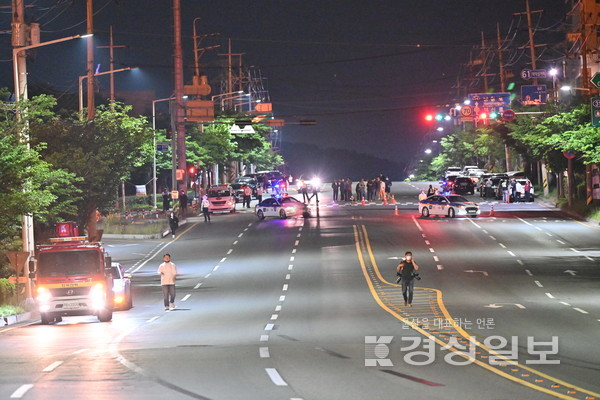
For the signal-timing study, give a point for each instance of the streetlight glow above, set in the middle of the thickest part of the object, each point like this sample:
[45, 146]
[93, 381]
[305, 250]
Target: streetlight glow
[428, 151]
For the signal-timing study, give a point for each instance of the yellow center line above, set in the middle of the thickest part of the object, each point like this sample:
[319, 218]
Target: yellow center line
[361, 237]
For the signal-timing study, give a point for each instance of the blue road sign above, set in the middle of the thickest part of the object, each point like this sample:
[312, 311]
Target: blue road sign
[534, 74]
[489, 103]
[162, 147]
[532, 95]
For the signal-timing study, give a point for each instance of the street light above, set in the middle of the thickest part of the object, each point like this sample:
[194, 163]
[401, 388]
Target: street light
[568, 88]
[81, 78]
[427, 151]
[225, 94]
[239, 96]
[20, 68]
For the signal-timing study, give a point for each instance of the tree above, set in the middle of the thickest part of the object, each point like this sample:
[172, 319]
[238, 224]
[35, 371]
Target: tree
[102, 152]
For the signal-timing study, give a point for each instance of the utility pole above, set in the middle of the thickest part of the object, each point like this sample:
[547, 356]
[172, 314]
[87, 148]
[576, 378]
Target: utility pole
[484, 64]
[500, 59]
[90, 61]
[532, 44]
[230, 79]
[179, 105]
[111, 48]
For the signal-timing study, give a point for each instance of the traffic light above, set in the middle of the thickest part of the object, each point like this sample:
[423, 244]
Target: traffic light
[483, 116]
[192, 170]
[439, 117]
[429, 117]
[494, 115]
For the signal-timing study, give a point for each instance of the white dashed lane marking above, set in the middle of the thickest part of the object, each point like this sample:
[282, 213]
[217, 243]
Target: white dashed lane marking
[20, 392]
[264, 352]
[229, 251]
[264, 338]
[560, 241]
[501, 245]
[538, 283]
[281, 298]
[550, 296]
[285, 287]
[52, 366]
[275, 377]
[153, 319]
[198, 285]
[580, 310]
[528, 272]
[187, 296]
[269, 327]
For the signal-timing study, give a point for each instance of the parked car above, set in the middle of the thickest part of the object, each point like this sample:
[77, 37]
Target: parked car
[221, 198]
[464, 184]
[451, 206]
[282, 207]
[452, 171]
[238, 187]
[121, 287]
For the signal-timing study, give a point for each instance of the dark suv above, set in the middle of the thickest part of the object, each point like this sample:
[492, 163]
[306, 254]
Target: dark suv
[464, 184]
[238, 187]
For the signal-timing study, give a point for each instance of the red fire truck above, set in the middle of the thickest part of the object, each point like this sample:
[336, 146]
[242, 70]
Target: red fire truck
[72, 277]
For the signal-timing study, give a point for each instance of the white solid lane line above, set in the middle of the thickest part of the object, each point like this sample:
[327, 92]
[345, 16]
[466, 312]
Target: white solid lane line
[52, 366]
[20, 392]
[187, 296]
[275, 377]
[264, 352]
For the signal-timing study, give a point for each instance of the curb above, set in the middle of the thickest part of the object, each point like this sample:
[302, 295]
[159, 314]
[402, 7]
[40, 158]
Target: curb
[139, 237]
[13, 319]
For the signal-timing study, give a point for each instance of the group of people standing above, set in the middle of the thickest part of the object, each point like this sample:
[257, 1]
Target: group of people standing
[369, 190]
[506, 189]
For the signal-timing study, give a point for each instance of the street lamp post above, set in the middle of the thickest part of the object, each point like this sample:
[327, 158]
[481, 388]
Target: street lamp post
[20, 88]
[225, 94]
[154, 143]
[82, 77]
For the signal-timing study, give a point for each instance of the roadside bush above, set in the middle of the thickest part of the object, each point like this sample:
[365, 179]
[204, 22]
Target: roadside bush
[7, 291]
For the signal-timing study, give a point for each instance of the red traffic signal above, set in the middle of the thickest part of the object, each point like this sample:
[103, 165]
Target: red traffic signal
[429, 117]
[192, 170]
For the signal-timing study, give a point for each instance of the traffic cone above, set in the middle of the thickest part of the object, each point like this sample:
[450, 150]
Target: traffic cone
[492, 210]
[396, 211]
[385, 203]
[363, 201]
[393, 201]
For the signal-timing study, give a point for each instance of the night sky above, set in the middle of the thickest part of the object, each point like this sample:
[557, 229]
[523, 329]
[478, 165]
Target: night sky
[365, 70]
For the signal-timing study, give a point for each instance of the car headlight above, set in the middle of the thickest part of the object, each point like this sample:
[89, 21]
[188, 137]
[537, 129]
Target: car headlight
[43, 295]
[97, 296]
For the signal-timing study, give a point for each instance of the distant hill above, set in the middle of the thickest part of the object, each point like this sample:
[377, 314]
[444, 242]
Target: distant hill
[330, 163]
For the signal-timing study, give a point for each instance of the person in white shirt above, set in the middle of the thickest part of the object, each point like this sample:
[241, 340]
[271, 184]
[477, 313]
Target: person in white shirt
[168, 271]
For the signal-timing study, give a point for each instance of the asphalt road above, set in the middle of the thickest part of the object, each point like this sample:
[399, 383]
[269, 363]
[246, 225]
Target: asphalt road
[282, 309]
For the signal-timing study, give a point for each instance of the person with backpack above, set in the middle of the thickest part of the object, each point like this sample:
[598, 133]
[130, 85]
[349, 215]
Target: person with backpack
[407, 272]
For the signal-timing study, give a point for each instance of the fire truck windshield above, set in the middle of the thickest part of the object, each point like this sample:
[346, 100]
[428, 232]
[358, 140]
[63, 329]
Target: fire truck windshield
[68, 263]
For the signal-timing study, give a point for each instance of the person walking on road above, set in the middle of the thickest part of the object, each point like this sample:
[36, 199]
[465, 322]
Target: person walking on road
[173, 223]
[406, 271]
[205, 205]
[168, 272]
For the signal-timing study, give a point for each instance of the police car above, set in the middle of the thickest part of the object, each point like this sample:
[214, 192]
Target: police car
[282, 207]
[450, 205]
[221, 198]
